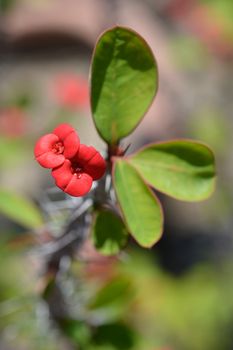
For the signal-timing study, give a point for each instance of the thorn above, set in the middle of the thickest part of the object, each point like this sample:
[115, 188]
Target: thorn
[126, 149]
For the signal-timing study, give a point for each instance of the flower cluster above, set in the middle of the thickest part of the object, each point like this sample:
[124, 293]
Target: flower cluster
[74, 165]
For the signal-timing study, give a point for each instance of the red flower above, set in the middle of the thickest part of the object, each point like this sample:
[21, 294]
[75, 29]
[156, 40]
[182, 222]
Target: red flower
[74, 166]
[72, 91]
[51, 150]
[75, 176]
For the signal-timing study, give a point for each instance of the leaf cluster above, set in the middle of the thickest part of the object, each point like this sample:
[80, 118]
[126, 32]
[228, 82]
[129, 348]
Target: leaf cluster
[124, 82]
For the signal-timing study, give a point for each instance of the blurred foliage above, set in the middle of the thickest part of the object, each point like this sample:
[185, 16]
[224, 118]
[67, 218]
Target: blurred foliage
[211, 126]
[118, 291]
[189, 53]
[192, 312]
[5, 5]
[78, 332]
[19, 209]
[22, 101]
[12, 151]
[114, 335]
[188, 311]
[224, 10]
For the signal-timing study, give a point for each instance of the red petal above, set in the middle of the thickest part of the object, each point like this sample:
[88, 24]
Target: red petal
[85, 153]
[73, 184]
[96, 167]
[79, 185]
[91, 160]
[50, 160]
[63, 174]
[45, 144]
[43, 152]
[71, 144]
[62, 130]
[70, 139]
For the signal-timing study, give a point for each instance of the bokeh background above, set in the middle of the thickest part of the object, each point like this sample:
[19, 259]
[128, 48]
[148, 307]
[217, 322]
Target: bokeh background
[176, 296]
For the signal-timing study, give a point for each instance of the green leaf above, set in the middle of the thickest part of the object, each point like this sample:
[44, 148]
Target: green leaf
[117, 291]
[109, 233]
[182, 169]
[124, 81]
[118, 335]
[19, 209]
[77, 331]
[140, 207]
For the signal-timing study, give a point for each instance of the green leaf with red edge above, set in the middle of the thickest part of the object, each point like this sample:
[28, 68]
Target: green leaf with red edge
[19, 209]
[140, 207]
[182, 169]
[124, 81]
[109, 233]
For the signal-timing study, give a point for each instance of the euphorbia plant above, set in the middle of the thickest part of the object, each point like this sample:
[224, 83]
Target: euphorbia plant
[124, 82]
[114, 196]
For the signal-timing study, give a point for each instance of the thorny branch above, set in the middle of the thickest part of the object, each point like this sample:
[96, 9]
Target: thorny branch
[77, 218]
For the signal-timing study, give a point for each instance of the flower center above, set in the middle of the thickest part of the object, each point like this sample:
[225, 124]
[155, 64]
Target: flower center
[58, 148]
[77, 169]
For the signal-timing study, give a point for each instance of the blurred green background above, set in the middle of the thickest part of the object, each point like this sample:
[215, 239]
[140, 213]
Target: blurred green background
[177, 296]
